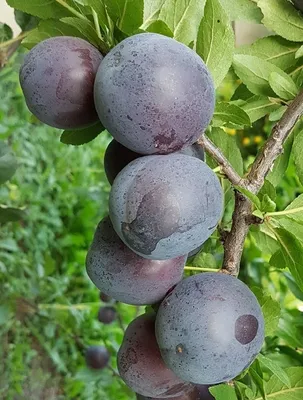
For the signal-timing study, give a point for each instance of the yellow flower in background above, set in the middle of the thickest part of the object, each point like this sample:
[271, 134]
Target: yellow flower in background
[246, 141]
[230, 131]
[258, 139]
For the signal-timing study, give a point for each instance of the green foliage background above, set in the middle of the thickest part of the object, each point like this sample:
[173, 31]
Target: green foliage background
[48, 307]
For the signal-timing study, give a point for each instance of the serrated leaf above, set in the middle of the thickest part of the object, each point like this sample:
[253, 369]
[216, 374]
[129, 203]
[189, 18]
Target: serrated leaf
[6, 32]
[258, 106]
[215, 40]
[255, 72]
[276, 390]
[292, 226]
[98, 6]
[8, 163]
[43, 9]
[267, 205]
[182, 17]
[205, 260]
[281, 163]
[9, 214]
[85, 27]
[271, 310]
[273, 49]
[244, 391]
[127, 14]
[283, 85]
[268, 189]
[264, 239]
[50, 28]
[297, 154]
[78, 137]
[160, 27]
[294, 288]
[244, 10]
[223, 392]
[294, 210]
[251, 196]
[275, 368]
[230, 115]
[256, 374]
[291, 252]
[25, 21]
[281, 17]
[229, 148]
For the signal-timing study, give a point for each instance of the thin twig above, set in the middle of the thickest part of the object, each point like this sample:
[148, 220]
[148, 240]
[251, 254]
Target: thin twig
[219, 157]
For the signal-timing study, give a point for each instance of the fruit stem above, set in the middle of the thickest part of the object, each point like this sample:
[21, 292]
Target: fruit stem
[16, 39]
[71, 9]
[188, 268]
[97, 25]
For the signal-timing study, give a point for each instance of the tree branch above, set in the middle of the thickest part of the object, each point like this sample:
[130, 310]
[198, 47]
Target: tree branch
[219, 157]
[241, 221]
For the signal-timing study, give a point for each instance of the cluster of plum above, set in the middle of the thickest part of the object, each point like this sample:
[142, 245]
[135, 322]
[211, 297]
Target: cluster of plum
[156, 97]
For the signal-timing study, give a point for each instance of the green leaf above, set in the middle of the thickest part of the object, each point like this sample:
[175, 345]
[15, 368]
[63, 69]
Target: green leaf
[252, 197]
[255, 73]
[241, 93]
[267, 189]
[85, 27]
[281, 17]
[43, 9]
[223, 392]
[267, 205]
[8, 214]
[127, 14]
[277, 114]
[205, 260]
[230, 115]
[160, 27]
[182, 17]
[283, 85]
[244, 391]
[292, 226]
[273, 49]
[229, 148]
[281, 163]
[275, 368]
[50, 28]
[299, 52]
[258, 106]
[264, 239]
[6, 32]
[271, 310]
[25, 21]
[242, 10]
[295, 209]
[256, 374]
[277, 390]
[297, 154]
[8, 163]
[215, 41]
[291, 251]
[78, 137]
[98, 6]
[294, 288]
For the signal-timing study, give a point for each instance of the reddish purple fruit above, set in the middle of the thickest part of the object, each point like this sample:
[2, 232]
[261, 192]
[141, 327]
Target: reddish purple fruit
[57, 79]
[198, 392]
[97, 357]
[140, 363]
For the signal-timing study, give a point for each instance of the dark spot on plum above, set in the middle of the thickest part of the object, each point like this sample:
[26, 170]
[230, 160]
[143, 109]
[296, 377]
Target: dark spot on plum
[246, 328]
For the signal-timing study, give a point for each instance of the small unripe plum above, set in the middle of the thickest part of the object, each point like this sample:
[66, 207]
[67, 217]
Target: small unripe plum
[97, 357]
[57, 79]
[209, 328]
[107, 315]
[154, 94]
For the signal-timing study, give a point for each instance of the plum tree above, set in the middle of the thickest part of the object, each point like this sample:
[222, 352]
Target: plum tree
[140, 364]
[198, 392]
[97, 357]
[154, 94]
[165, 206]
[209, 328]
[107, 314]
[57, 79]
[118, 156]
[124, 275]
